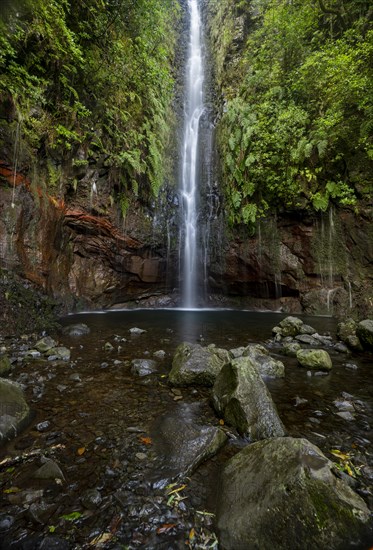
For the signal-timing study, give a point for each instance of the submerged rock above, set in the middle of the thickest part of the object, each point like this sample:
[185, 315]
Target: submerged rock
[266, 365]
[79, 329]
[144, 367]
[282, 493]
[242, 398]
[14, 411]
[182, 443]
[194, 364]
[61, 353]
[317, 359]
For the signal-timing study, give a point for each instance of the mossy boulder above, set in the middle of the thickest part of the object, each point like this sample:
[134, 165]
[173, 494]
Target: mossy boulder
[282, 493]
[290, 326]
[241, 397]
[194, 364]
[316, 359]
[364, 332]
[347, 333]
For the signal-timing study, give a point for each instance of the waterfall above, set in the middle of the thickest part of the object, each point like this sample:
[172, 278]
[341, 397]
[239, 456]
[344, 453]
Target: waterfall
[189, 181]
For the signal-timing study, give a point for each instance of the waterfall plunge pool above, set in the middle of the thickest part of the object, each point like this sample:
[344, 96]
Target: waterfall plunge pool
[98, 420]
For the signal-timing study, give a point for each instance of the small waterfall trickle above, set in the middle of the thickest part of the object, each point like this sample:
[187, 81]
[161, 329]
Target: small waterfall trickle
[194, 108]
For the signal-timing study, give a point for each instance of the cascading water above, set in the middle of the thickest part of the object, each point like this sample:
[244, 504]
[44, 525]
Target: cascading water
[189, 183]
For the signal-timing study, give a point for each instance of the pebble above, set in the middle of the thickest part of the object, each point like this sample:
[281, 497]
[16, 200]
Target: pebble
[136, 330]
[344, 405]
[75, 377]
[351, 366]
[346, 415]
[43, 426]
[6, 521]
[141, 456]
[91, 499]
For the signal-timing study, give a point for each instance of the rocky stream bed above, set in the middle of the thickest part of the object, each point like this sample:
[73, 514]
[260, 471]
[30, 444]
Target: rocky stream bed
[120, 453]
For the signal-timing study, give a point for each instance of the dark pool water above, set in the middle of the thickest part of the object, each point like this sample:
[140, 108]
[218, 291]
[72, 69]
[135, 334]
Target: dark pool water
[101, 416]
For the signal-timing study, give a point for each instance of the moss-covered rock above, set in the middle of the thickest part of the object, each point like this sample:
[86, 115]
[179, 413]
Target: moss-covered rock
[5, 365]
[282, 493]
[242, 398]
[318, 359]
[364, 331]
[14, 411]
[194, 364]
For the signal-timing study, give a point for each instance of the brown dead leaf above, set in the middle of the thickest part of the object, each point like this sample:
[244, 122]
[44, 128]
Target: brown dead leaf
[81, 451]
[146, 440]
[165, 528]
[221, 422]
[101, 539]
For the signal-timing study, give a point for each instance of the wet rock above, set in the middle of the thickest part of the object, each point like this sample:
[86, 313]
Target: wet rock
[300, 401]
[160, 354]
[33, 354]
[317, 359]
[290, 349]
[194, 364]
[266, 365]
[182, 443]
[79, 329]
[91, 499]
[40, 512]
[323, 340]
[290, 326]
[45, 344]
[307, 329]
[14, 411]
[341, 348]
[351, 366]
[347, 333]
[237, 352]
[284, 490]
[49, 470]
[307, 339]
[241, 397]
[344, 405]
[143, 367]
[5, 365]
[43, 426]
[61, 353]
[108, 346]
[346, 415]
[135, 331]
[364, 332]
[75, 377]
[6, 522]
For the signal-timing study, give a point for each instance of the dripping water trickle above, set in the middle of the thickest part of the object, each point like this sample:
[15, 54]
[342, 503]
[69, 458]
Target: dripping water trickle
[189, 181]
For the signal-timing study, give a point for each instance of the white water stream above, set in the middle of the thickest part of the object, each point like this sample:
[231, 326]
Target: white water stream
[189, 184]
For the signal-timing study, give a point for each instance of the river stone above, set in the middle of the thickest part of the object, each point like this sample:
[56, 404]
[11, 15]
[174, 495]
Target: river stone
[45, 344]
[241, 397]
[291, 349]
[364, 332]
[79, 329]
[49, 470]
[290, 326]
[317, 359]
[182, 443]
[266, 365]
[345, 329]
[60, 353]
[144, 367]
[307, 339]
[281, 493]
[5, 365]
[14, 411]
[194, 364]
[307, 329]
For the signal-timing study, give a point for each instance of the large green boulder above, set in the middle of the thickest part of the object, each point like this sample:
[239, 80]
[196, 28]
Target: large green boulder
[194, 364]
[14, 411]
[364, 332]
[241, 397]
[282, 493]
[291, 326]
[315, 359]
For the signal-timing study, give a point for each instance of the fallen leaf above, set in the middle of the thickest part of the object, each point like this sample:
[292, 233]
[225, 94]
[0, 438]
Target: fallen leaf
[81, 451]
[12, 490]
[177, 490]
[71, 517]
[221, 422]
[339, 454]
[101, 539]
[165, 528]
[146, 440]
[192, 534]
